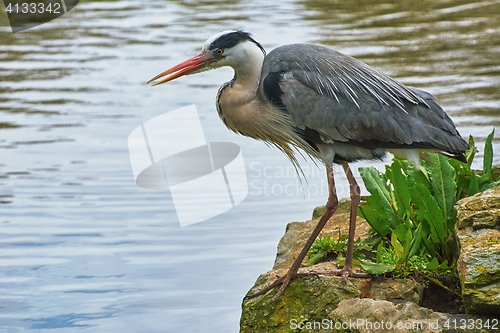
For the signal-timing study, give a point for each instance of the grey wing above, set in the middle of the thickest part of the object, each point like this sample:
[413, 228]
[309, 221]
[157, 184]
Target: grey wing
[333, 97]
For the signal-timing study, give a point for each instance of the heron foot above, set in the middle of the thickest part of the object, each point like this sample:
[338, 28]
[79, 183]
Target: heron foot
[345, 273]
[284, 281]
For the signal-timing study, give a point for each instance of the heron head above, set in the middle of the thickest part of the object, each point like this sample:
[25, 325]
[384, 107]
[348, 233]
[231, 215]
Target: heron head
[227, 48]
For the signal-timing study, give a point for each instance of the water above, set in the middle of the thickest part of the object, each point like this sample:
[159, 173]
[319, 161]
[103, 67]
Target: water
[83, 249]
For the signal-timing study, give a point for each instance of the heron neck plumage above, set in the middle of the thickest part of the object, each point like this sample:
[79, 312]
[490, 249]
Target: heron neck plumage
[237, 100]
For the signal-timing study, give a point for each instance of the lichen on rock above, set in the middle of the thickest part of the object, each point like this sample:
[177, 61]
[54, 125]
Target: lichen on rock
[479, 261]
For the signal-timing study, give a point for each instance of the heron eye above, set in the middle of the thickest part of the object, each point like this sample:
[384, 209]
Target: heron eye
[219, 51]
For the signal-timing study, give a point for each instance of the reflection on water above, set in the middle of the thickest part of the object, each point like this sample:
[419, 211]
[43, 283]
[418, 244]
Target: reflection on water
[83, 248]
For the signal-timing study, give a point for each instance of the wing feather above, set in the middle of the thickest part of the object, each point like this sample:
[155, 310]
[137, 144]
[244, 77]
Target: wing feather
[345, 100]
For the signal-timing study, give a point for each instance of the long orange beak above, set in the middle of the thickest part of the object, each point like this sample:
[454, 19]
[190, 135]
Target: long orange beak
[184, 68]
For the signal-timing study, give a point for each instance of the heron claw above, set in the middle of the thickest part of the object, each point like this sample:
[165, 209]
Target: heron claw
[345, 273]
[284, 281]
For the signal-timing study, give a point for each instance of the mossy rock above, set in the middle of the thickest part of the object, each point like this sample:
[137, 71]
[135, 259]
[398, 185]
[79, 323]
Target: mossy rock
[304, 300]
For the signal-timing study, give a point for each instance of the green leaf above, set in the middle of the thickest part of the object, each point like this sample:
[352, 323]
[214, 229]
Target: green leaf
[464, 173]
[491, 185]
[443, 183]
[377, 183]
[340, 260]
[407, 244]
[433, 265]
[429, 209]
[416, 241]
[401, 231]
[373, 214]
[416, 176]
[460, 168]
[473, 185]
[380, 248]
[471, 152]
[314, 259]
[374, 181]
[375, 268]
[401, 189]
[444, 265]
[398, 248]
[484, 181]
[429, 245]
[488, 153]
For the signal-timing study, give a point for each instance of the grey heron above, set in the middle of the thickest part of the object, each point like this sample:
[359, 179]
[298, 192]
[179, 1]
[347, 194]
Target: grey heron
[331, 106]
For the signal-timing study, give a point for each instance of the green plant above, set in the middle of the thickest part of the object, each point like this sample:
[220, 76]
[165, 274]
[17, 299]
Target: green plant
[412, 209]
[469, 182]
[392, 259]
[323, 246]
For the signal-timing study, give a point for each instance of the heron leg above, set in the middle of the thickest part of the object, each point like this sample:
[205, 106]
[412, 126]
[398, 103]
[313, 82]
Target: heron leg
[330, 208]
[355, 199]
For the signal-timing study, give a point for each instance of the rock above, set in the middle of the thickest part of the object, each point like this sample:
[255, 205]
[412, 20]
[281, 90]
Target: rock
[479, 262]
[479, 270]
[325, 303]
[314, 298]
[481, 210]
[311, 299]
[396, 290]
[319, 302]
[382, 316]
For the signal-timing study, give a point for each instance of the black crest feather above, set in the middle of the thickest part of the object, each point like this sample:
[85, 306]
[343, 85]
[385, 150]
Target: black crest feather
[232, 39]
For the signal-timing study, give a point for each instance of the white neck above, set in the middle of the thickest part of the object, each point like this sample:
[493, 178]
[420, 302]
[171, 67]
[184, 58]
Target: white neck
[246, 59]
